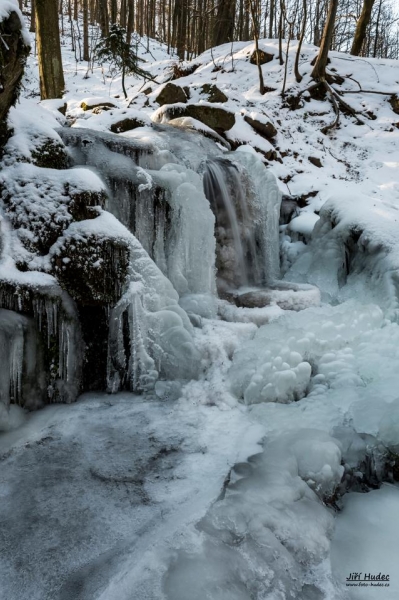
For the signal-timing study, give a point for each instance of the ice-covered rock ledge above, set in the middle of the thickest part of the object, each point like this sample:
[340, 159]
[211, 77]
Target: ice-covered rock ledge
[354, 251]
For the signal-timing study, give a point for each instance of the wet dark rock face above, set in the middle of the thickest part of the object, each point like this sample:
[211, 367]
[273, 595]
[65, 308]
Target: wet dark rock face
[13, 56]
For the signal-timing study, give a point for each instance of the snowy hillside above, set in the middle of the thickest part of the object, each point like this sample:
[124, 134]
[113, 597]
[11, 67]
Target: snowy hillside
[266, 436]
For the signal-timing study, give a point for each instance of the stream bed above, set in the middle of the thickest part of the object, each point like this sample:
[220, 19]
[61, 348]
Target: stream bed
[126, 496]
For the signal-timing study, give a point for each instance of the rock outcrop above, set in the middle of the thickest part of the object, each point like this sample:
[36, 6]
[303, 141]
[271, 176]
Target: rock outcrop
[264, 127]
[171, 94]
[264, 57]
[217, 118]
[213, 93]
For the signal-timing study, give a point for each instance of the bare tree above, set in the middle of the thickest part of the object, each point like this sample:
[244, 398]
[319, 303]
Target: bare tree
[86, 55]
[49, 49]
[298, 76]
[319, 70]
[361, 27]
[255, 27]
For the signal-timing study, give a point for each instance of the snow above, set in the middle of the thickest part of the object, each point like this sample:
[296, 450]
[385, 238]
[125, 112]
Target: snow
[221, 478]
[304, 223]
[9, 6]
[104, 120]
[365, 542]
[33, 126]
[94, 101]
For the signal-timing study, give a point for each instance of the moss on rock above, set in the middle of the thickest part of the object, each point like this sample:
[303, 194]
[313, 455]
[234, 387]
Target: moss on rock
[50, 155]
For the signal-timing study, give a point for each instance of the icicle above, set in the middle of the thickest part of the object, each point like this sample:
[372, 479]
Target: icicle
[142, 372]
[16, 364]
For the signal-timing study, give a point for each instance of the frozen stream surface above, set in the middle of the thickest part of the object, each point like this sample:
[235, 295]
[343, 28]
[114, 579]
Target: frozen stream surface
[123, 496]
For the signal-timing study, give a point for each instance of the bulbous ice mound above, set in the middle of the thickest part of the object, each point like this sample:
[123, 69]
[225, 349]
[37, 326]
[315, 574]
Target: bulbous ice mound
[277, 364]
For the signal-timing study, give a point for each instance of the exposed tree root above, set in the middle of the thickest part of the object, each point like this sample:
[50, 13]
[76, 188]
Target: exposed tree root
[342, 102]
[335, 123]
[367, 92]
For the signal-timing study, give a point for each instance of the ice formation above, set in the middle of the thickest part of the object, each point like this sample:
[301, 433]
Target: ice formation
[276, 366]
[267, 527]
[157, 340]
[164, 207]
[156, 191]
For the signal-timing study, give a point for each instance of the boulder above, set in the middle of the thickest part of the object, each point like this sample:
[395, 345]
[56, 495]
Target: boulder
[213, 93]
[55, 105]
[315, 161]
[50, 154]
[179, 70]
[259, 145]
[265, 128]
[287, 295]
[41, 204]
[190, 124]
[127, 125]
[171, 94]
[217, 118]
[91, 266]
[98, 110]
[264, 57]
[394, 102]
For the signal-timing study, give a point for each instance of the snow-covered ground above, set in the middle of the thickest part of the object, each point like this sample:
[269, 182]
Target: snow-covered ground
[224, 488]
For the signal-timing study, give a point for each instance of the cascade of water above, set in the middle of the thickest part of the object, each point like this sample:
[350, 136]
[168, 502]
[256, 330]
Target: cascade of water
[217, 191]
[246, 202]
[263, 197]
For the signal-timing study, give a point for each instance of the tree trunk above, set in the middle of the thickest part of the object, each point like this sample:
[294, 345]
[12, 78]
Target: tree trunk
[130, 21]
[114, 11]
[123, 80]
[49, 50]
[377, 30]
[86, 55]
[271, 19]
[32, 28]
[319, 70]
[316, 33]
[224, 23]
[280, 34]
[104, 21]
[298, 76]
[123, 18]
[255, 26]
[361, 27]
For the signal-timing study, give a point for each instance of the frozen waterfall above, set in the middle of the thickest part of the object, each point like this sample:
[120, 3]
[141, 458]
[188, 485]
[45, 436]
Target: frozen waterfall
[246, 202]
